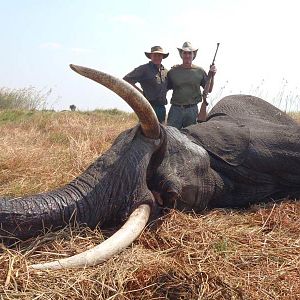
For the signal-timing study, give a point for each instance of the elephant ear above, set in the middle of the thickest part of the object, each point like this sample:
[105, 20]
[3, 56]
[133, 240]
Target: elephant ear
[223, 137]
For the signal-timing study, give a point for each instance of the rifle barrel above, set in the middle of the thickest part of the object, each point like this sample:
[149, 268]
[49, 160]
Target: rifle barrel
[216, 53]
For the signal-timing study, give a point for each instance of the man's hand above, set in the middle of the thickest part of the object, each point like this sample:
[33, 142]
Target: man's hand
[213, 69]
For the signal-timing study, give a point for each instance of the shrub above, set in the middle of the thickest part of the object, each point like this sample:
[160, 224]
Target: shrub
[23, 98]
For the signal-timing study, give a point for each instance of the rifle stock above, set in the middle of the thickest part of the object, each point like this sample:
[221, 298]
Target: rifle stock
[207, 86]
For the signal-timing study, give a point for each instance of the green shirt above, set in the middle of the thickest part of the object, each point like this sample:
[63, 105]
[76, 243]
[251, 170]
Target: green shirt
[185, 83]
[152, 80]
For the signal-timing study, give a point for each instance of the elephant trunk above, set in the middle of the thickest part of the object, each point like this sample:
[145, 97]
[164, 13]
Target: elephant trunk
[107, 192]
[74, 203]
[26, 217]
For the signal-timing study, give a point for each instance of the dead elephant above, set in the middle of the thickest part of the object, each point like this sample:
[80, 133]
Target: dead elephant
[248, 151]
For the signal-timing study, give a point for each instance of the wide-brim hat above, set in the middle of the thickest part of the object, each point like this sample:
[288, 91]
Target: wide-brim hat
[157, 49]
[187, 46]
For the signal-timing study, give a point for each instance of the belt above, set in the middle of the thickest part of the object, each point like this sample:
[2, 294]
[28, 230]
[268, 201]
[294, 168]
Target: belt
[184, 106]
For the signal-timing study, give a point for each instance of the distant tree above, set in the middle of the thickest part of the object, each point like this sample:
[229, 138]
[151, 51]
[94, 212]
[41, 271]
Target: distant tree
[73, 107]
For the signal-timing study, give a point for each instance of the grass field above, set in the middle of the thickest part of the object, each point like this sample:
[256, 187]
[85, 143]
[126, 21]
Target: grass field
[222, 254]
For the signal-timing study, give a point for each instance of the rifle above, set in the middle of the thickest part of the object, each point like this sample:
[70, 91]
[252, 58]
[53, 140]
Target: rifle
[209, 78]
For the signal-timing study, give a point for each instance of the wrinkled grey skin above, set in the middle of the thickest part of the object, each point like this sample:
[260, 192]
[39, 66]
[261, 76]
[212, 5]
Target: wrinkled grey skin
[248, 151]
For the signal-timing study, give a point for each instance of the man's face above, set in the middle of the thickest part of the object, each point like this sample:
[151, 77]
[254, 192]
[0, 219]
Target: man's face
[187, 57]
[156, 58]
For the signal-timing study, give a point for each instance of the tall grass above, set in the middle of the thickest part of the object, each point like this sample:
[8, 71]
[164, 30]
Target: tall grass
[284, 98]
[24, 98]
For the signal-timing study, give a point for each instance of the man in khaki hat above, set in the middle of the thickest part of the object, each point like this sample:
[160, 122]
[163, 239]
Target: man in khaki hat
[153, 79]
[185, 80]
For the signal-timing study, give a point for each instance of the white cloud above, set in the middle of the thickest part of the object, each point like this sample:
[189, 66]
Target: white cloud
[50, 45]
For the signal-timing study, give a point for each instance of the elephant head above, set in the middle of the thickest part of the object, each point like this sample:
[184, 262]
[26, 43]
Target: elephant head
[122, 184]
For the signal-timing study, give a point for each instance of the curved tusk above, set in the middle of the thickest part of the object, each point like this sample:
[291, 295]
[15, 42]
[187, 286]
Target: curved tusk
[113, 245]
[140, 105]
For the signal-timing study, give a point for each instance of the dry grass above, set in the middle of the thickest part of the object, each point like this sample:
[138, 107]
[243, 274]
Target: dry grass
[296, 116]
[40, 151]
[222, 254]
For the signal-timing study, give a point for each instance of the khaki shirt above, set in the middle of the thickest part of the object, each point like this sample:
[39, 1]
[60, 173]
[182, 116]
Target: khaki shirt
[185, 83]
[152, 80]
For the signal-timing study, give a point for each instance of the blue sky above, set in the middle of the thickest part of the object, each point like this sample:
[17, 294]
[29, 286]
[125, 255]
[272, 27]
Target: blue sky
[259, 44]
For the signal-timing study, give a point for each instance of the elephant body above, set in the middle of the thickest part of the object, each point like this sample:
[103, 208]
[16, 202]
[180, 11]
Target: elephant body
[254, 147]
[248, 151]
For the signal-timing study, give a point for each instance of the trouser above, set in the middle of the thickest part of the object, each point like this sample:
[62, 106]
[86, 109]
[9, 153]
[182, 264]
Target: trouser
[160, 111]
[182, 115]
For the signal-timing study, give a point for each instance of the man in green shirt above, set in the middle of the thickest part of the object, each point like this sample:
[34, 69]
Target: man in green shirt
[153, 80]
[185, 80]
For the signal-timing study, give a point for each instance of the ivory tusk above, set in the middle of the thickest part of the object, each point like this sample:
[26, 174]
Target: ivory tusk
[113, 245]
[140, 105]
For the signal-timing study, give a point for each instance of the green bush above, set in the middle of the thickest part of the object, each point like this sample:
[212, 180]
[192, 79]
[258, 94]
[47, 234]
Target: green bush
[9, 115]
[110, 112]
[23, 98]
